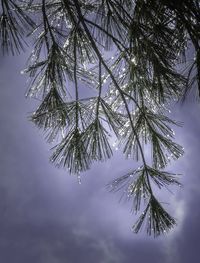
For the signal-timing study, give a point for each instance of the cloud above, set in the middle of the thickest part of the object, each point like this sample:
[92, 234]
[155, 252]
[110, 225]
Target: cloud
[169, 245]
[50, 243]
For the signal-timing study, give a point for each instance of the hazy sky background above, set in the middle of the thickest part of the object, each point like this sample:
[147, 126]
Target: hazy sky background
[47, 217]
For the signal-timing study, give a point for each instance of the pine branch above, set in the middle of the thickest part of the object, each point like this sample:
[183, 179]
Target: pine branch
[162, 178]
[158, 221]
[13, 24]
[135, 188]
[95, 139]
[115, 83]
[71, 153]
[135, 185]
[51, 115]
[127, 52]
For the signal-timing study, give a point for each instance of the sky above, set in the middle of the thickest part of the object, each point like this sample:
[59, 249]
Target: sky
[47, 217]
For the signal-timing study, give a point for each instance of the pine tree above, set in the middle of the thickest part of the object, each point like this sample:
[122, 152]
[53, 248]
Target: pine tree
[133, 54]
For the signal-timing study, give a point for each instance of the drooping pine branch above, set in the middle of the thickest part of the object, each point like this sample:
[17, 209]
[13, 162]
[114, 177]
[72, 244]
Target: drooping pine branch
[100, 65]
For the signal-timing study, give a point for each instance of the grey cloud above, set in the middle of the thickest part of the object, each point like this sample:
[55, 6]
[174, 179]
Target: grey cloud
[49, 243]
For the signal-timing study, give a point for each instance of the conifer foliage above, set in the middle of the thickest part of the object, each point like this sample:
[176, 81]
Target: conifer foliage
[133, 55]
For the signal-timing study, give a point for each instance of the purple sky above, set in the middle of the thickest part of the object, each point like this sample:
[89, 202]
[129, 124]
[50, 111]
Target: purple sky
[47, 217]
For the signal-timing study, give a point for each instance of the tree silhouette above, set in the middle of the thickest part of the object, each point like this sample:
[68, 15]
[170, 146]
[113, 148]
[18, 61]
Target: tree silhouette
[134, 56]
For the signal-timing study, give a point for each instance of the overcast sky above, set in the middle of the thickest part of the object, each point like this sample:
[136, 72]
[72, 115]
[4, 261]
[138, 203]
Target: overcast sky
[47, 217]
